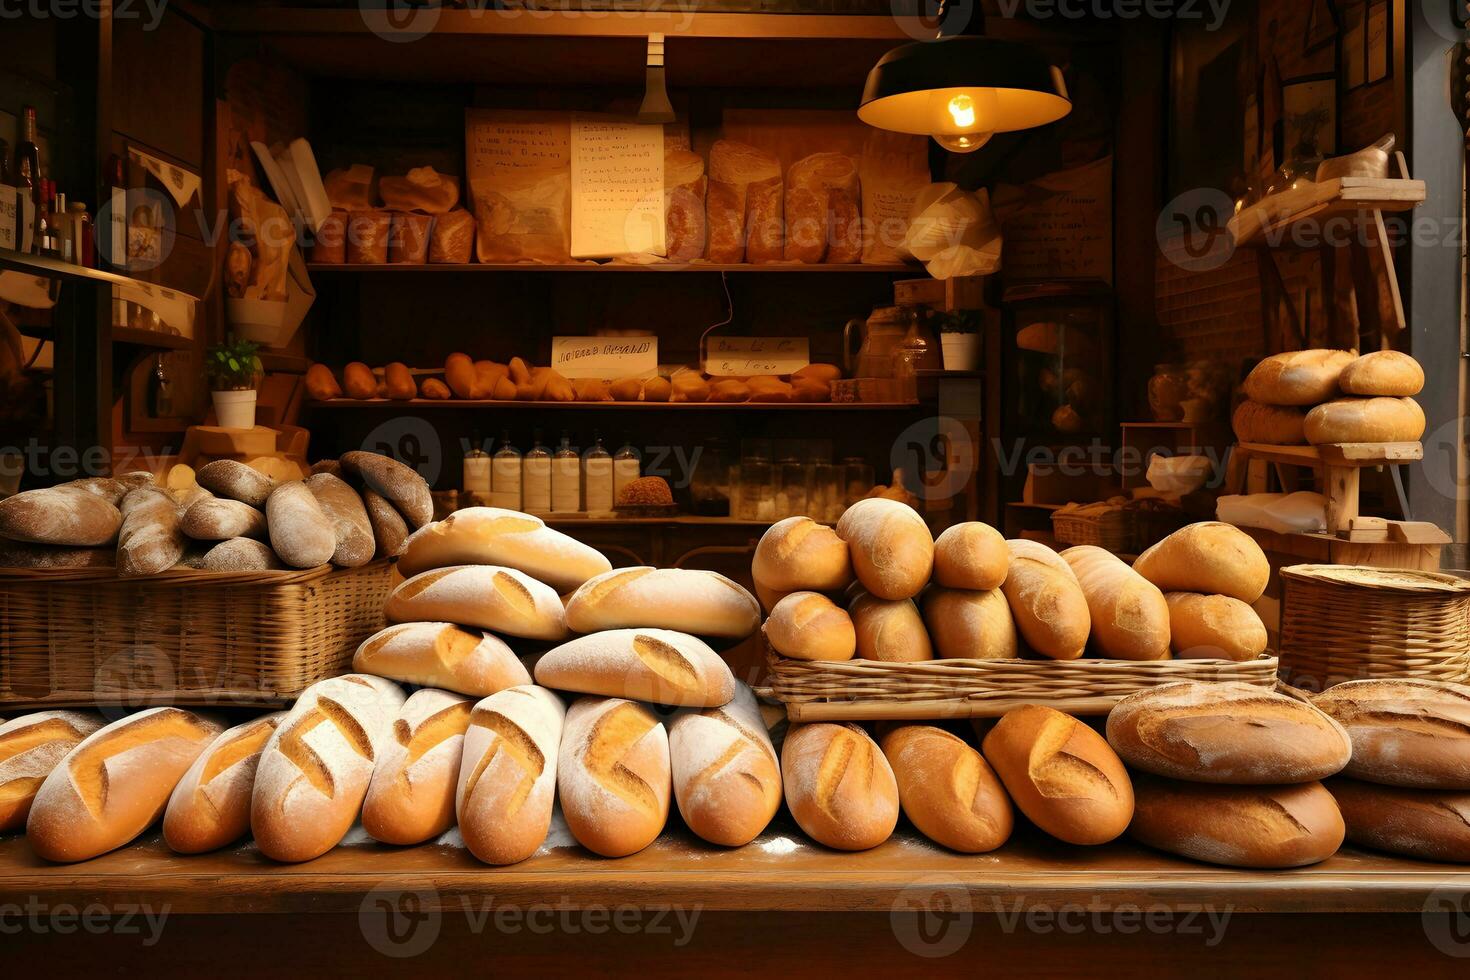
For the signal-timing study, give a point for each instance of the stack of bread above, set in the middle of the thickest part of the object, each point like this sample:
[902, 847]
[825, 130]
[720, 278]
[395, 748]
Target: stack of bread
[419, 221]
[1331, 396]
[1210, 574]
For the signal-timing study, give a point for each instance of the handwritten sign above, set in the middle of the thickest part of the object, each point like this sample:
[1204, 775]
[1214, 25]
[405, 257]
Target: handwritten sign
[605, 358]
[746, 357]
[617, 188]
[1060, 225]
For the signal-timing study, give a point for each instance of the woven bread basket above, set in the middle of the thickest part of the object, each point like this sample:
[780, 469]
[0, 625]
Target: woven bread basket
[1111, 530]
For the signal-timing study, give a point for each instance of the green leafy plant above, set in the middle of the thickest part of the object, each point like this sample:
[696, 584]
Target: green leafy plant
[959, 321]
[233, 366]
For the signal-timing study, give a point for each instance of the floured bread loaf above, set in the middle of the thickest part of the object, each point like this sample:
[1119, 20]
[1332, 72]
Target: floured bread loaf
[397, 483]
[488, 596]
[800, 555]
[492, 536]
[822, 201]
[1430, 824]
[1382, 374]
[733, 168]
[613, 775]
[727, 781]
[210, 807]
[235, 481]
[300, 531]
[442, 655]
[390, 531]
[220, 518]
[411, 796]
[1130, 619]
[507, 779]
[1304, 377]
[1365, 420]
[839, 786]
[349, 519]
[1405, 731]
[892, 548]
[684, 599]
[61, 516]
[1238, 826]
[150, 540]
[30, 747]
[23, 554]
[661, 666]
[1210, 558]
[1046, 601]
[948, 790]
[240, 555]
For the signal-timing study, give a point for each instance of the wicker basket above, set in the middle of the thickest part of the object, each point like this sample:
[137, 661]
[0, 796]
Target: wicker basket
[1345, 622]
[86, 637]
[1111, 529]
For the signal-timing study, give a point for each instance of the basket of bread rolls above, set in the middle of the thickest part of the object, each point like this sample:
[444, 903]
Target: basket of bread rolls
[237, 589]
[875, 619]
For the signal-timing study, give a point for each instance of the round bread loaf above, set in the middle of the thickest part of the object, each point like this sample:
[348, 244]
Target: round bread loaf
[300, 531]
[397, 483]
[62, 516]
[507, 779]
[948, 790]
[1046, 601]
[971, 556]
[211, 805]
[661, 666]
[685, 599]
[493, 598]
[891, 546]
[1214, 627]
[1405, 731]
[493, 536]
[349, 518]
[1433, 825]
[1130, 619]
[800, 555]
[1237, 826]
[1210, 558]
[613, 775]
[839, 787]
[30, 747]
[149, 540]
[234, 480]
[890, 631]
[442, 655]
[726, 778]
[1271, 425]
[1061, 774]
[390, 531]
[411, 796]
[970, 625]
[240, 555]
[1304, 377]
[1382, 374]
[1365, 420]
[809, 626]
[213, 518]
[1228, 733]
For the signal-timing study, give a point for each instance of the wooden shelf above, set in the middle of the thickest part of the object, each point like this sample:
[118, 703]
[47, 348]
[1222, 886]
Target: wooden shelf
[1352, 454]
[1275, 220]
[150, 338]
[451, 404]
[661, 267]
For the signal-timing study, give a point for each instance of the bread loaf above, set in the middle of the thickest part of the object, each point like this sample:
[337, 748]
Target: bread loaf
[662, 666]
[1365, 420]
[411, 796]
[819, 192]
[1405, 731]
[1272, 425]
[765, 232]
[453, 240]
[115, 783]
[971, 556]
[210, 807]
[234, 480]
[421, 189]
[800, 555]
[1304, 377]
[349, 519]
[1237, 826]
[685, 599]
[1433, 825]
[1214, 627]
[1382, 374]
[726, 778]
[1130, 619]
[1046, 601]
[397, 483]
[493, 536]
[367, 237]
[110, 490]
[1210, 558]
[1061, 774]
[390, 531]
[442, 655]
[613, 775]
[507, 779]
[733, 167]
[59, 515]
[315, 770]
[213, 518]
[970, 625]
[149, 540]
[948, 790]
[839, 787]
[300, 531]
[240, 555]
[30, 747]
[892, 549]
[809, 626]
[890, 631]
[358, 380]
[684, 184]
[1226, 732]
[23, 554]
[487, 596]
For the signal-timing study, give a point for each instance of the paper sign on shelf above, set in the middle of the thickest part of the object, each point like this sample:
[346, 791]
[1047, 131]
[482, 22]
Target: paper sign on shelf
[605, 358]
[744, 357]
[617, 187]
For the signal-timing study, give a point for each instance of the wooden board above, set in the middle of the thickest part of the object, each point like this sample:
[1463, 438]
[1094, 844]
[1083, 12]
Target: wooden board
[1263, 225]
[450, 267]
[465, 403]
[1355, 454]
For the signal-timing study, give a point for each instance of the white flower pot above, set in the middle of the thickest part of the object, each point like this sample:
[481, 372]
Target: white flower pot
[235, 409]
[961, 351]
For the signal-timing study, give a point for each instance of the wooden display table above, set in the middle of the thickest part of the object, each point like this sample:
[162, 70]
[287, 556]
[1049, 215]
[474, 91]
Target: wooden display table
[1341, 466]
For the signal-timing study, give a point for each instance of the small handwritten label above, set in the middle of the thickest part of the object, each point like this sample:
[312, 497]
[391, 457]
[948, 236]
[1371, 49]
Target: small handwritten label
[746, 357]
[605, 358]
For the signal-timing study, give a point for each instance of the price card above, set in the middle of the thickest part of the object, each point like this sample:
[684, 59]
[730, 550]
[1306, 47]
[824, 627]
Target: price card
[744, 357]
[605, 358]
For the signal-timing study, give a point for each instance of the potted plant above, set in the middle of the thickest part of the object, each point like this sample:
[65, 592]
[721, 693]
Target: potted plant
[959, 335]
[233, 370]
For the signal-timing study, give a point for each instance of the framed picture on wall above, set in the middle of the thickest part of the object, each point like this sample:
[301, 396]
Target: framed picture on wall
[1309, 117]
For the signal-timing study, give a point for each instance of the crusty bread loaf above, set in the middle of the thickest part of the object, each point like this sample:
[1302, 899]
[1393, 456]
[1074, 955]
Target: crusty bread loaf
[839, 787]
[390, 530]
[1226, 733]
[115, 783]
[150, 540]
[234, 480]
[1046, 601]
[210, 807]
[809, 626]
[688, 600]
[349, 519]
[892, 631]
[61, 516]
[1382, 374]
[1405, 731]
[487, 596]
[948, 790]
[1433, 825]
[970, 625]
[507, 779]
[1214, 627]
[1061, 774]
[315, 770]
[892, 548]
[971, 556]
[1130, 619]
[662, 666]
[212, 518]
[1272, 425]
[24, 554]
[397, 483]
[1304, 377]
[613, 775]
[111, 490]
[1237, 826]
[300, 531]
[411, 796]
[493, 536]
[726, 778]
[240, 555]
[442, 655]
[800, 555]
[1365, 420]
[1210, 558]
[30, 747]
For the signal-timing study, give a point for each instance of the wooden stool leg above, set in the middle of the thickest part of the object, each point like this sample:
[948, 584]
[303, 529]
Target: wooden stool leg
[1257, 476]
[1342, 496]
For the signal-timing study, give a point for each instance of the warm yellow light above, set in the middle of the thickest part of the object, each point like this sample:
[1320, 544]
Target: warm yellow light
[963, 142]
[962, 111]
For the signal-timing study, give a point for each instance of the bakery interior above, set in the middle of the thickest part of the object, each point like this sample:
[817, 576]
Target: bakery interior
[848, 476]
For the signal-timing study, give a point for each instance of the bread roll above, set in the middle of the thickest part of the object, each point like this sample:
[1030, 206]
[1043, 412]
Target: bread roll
[800, 555]
[349, 519]
[210, 807]
[411, 796]
[892, 549]
[30, 747]
[115, 783]
[240, 555]
[1272, 425]
[390, 531]
[213, 518]
[1432, 825]
[1210, 558]
[809, 626]
[970, 625]
[398, 379]
[1046, 601]
[493, 536]
[149, 540]
[23, 554]
[662, 666]
[1214, 627]
[613, 775]
[971, 556]
[236, 481]
[315, 770]
[726, 778]
[487, 596]
[358, 380]
[1226, 732]
[442, 655]
[1365, 420]
[1304, 377]
[507, 779]
[889, 631]
[1061, 774]
[59, 515]
[1237, 826]
[300, 531]
[397, 483]
[685, 599]
[948, 790]
[839, 787]
[1405, 731]
[1130, 619]
[1382, 374]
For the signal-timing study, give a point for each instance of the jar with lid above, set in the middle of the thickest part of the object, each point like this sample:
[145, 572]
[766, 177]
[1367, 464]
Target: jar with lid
[566, 478]
[791, 489]
[506, 472]
[857, 479]
[475, 482]
[757, 489]
[827, 498]
[536, 485]
[709, 484]
[597, 477]
[627, 467]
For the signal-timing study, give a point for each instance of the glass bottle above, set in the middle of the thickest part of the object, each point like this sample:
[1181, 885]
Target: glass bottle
[627, 467]
[791, 489]
[28, 168]
[757, 489]
[505, 475]
[536, 485]
[566, 478]
[475, 481]
[597, 477]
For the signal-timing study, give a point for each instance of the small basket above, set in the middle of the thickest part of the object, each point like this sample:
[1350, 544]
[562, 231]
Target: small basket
[1111, 529]
[1348, 622]
[87, 637]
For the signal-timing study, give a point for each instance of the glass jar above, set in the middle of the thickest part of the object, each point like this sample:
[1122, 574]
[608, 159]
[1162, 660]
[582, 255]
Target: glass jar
[857, 479]
[757, 489]
[828, 497]
[791, 489]
[709, 484]
[1167, 390]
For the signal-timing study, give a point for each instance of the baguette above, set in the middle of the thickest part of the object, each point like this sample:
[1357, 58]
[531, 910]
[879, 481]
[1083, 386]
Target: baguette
[661, 666]
[110, 490]
[892, 632]
[1214, 627]
[727, 781]
[1210, 558]
[970, 625]
[1404, 731]
[487, 596]
[150, 540]
[839, 786]
[390, 530]
[31, 746]
[892, 549]
[683, 599]
[1432, 825]
[397, 483]
[971, 556]
[214, 518]
[1238, 826]
[947, 789]
[613, 775]
[348, 517]
[808, 626]
[507, 779]
[493, 536]
[235, 481]
[210, 807]
[442, 655]
[411, 796]
[800, 555]
[300, 531]
[1046, 601]
[1130, 618]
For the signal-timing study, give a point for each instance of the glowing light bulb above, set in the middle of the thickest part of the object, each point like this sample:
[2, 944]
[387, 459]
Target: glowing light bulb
[963, 142]
[962, 111]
